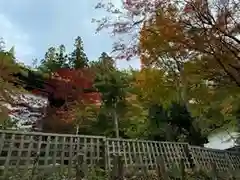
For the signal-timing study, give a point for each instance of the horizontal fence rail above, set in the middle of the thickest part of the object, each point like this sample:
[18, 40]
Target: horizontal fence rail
[21, 150]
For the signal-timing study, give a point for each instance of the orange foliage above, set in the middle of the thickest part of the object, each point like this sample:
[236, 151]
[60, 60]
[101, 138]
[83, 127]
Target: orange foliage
[69, 85]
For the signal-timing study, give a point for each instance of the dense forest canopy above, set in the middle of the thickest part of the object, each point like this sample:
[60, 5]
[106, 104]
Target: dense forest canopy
[188, 86]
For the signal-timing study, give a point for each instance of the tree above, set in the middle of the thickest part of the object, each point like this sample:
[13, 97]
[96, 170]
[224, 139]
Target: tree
[174, 35]
[202, 28]
[68, 90]
[69, 87]
[8, 92]
[54, 59]
[112, 85]
[168, 118]
[78, 58]
[155, 86]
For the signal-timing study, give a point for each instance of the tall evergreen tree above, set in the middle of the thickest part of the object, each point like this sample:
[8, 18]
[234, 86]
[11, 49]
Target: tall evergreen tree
[78, 58]
[62, 57]
[55, 58]
[111, 83]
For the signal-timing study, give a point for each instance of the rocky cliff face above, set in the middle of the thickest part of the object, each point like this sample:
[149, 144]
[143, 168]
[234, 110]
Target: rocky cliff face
[27, 111]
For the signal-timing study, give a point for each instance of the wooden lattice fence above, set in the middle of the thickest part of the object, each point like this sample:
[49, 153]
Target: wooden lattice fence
[204, 157]
[145, 153]
[19, 150]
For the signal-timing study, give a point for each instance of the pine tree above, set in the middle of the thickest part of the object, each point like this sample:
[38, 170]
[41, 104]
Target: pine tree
[78, 58]
[55, 59]
[112, 84]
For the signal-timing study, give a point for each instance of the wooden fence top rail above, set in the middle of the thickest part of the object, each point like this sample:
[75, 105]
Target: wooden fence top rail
[47, 134]
[145, 141]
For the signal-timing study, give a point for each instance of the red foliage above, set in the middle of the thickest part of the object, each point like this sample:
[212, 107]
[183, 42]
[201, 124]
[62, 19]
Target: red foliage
[69, 84]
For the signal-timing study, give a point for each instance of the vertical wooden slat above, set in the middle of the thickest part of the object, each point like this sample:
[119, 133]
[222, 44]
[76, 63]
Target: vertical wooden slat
[7, 162]
[113, 148]
[63, 153]
[29, 152]
[55, 150]
[85, 150]
[135, 159]
[124, 153]
[149, 153]
[98, 150]
[106, 155]
[140, 154]
[91, 152]
[19, 154]
[153, 152]
[164, 154]
[47, 148]
[114, 152]
[39, 144]
[144, 154]
[85, 157]
[78, 144]
[2, 142]
[119, 153]
[130, 152]
[70, 157]
[29, 142]
[157, 149]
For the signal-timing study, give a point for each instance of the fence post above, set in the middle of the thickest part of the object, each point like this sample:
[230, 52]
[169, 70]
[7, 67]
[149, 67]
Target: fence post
[182, 169]
[105, 155]
[214, 173]
[230, 166]
[117, 172]
[80, 174]
[190, 156]
[161, 171]
[229, 160]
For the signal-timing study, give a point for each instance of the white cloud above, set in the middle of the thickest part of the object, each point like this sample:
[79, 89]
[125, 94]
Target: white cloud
[14, 36]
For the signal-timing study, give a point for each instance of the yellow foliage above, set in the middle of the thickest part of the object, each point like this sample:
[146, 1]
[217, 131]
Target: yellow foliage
[155, 86]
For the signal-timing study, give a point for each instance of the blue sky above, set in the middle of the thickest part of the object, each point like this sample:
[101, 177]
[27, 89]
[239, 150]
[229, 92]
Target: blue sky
[34, 25]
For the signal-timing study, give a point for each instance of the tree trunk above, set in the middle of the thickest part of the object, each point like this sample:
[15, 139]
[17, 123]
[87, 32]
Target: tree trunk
[77, 129]
[115, 118]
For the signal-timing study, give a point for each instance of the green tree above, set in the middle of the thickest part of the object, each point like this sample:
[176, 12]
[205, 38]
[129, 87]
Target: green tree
[168, 118]
[78, 58]
[55, 59]
[112, 84]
